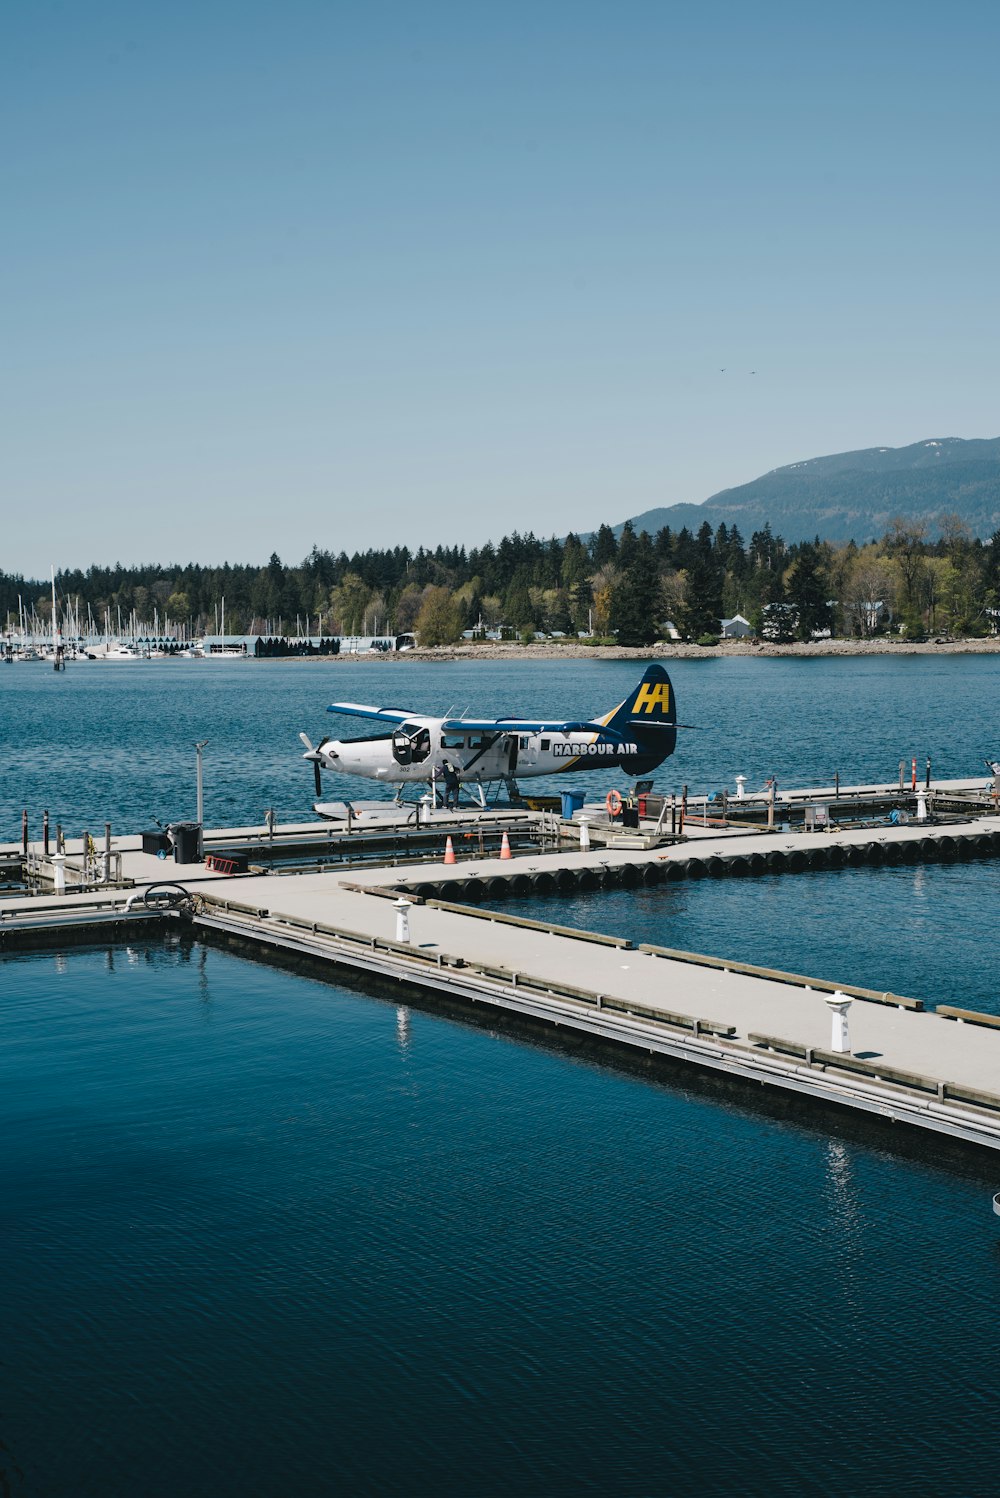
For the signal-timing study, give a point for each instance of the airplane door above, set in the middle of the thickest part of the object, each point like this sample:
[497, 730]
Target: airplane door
[420, 746]
[402, 748]
[512, 756]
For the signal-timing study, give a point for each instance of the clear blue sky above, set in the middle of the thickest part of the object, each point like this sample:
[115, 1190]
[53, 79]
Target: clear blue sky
[373, 273]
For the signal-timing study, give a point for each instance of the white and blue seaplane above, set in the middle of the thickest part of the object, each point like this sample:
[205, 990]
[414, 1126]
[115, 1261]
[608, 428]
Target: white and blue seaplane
[449, 752]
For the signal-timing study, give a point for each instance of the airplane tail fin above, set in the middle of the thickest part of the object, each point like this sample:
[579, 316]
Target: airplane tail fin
[648, 716]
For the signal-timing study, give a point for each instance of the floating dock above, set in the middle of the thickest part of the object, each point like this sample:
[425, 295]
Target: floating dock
[415, 924]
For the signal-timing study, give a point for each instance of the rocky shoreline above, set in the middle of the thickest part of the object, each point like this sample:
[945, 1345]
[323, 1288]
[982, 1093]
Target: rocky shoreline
[671, 650]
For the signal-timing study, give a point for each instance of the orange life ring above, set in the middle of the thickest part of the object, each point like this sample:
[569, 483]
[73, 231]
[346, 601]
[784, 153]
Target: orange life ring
[614, 803]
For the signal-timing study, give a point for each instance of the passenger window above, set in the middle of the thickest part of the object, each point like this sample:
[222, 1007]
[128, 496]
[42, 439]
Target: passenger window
[452, 741]
[525, 741]
[545, 743]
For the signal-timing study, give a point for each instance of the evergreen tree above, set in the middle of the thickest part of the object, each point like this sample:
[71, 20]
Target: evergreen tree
[627, 545]
[603, 547]
[664, 544]
[704, 587]
[807, 589]
[519, 610]
[635, 598]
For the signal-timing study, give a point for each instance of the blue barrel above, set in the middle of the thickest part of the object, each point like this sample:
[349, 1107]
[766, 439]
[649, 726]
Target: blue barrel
[571, 801]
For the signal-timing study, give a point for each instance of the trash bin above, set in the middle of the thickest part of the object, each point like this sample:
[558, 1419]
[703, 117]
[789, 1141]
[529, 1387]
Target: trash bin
[187, 841]
[155, 842]
[572, 801]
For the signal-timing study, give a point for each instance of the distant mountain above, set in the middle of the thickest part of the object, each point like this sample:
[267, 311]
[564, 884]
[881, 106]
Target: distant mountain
[855, 495]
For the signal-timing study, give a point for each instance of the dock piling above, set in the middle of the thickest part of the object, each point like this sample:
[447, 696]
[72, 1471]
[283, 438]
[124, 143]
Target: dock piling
[45, 833]
[199, 746]
[24, 831]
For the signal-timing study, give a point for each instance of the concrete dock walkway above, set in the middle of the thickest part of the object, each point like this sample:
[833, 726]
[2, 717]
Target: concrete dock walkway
[905, 1064]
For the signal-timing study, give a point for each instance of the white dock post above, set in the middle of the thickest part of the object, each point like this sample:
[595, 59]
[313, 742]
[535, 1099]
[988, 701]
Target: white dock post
[741, 781]
[59, 873]
[921, 806]
[838, 1004]
[585, 834]
[402, 909]
[425, 809]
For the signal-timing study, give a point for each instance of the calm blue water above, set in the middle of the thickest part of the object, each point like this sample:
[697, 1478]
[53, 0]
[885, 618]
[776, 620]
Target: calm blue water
[113, 742]
[264, 1236]
[929, 932]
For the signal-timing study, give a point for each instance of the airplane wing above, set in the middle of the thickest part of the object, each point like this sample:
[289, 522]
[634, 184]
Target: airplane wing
[518, 725]
[381, 714]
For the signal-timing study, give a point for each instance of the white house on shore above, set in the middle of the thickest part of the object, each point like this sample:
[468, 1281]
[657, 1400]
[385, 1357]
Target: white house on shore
[736, 628]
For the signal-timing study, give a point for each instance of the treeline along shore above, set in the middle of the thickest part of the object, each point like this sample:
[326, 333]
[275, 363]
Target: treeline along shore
[629, 591]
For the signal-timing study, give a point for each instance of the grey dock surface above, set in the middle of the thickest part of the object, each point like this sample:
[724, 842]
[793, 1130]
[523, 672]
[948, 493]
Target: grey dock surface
[936, 1070]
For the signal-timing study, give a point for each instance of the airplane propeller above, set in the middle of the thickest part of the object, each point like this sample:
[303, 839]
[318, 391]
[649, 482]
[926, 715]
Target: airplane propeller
[317, 759]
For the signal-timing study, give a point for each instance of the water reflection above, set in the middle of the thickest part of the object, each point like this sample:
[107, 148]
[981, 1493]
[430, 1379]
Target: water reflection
[403, 1028]
[846, 1222]
[204, 990]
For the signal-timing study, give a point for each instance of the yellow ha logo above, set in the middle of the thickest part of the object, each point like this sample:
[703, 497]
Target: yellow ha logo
[652, 696]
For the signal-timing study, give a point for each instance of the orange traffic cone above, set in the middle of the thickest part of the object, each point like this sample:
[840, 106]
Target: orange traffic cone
[505, 847]
[449, 852]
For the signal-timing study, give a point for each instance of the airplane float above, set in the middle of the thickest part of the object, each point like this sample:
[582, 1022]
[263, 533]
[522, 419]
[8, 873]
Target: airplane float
[635, 737]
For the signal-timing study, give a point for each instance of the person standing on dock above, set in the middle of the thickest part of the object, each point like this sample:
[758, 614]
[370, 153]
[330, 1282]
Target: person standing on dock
[450, 785]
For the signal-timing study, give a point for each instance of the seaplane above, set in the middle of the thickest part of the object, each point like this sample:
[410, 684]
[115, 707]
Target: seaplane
[635, 737]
